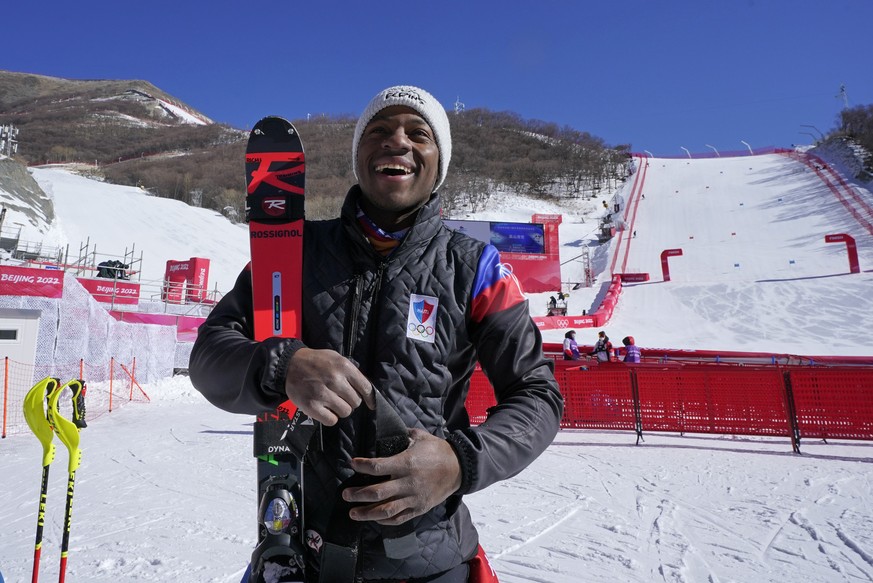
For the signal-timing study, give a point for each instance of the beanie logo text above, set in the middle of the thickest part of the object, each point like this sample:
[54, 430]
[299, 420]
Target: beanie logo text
[426, 106]
[403, 94]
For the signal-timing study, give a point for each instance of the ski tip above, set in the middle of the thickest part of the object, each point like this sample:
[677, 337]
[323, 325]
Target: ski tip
[274, 121]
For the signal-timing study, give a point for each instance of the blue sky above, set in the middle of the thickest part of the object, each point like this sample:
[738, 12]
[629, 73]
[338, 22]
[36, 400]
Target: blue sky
[660, 75]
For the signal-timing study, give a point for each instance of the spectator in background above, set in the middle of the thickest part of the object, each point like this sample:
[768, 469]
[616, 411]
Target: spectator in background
[631, 350]
[571, 349]
[603, 349]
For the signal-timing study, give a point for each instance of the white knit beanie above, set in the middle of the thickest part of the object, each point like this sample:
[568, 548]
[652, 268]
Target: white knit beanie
[422, 102]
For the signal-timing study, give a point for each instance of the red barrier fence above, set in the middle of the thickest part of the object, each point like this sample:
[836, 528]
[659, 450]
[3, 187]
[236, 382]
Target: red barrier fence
[776, 401]
[833, 403]
[602, 401]
[713, 399]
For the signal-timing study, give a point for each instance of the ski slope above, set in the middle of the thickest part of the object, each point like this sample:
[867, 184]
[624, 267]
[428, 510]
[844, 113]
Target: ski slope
[109, 219]
[755, 271]
[165, 491]
[755, 274]
[744, 222]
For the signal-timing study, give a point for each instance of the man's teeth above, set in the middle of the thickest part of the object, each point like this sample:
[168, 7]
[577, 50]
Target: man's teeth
[393, 169]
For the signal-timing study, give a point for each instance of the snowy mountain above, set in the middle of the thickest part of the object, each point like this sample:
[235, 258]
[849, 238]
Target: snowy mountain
[111, 102]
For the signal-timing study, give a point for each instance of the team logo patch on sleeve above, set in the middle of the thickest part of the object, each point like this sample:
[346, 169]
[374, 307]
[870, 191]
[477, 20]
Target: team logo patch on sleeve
[421, 321]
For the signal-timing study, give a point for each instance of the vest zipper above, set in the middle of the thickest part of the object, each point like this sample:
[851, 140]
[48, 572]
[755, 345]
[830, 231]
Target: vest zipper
[351, 329]
[377, 308]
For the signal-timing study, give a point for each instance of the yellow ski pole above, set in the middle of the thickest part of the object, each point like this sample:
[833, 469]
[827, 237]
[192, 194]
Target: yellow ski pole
[36, 415]
[68, 433]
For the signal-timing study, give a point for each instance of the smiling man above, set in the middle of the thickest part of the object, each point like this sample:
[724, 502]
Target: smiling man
[397, 303]
[397, 163]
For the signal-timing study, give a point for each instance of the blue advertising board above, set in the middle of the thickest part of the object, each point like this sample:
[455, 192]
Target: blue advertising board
[507, 237]
[518, 237]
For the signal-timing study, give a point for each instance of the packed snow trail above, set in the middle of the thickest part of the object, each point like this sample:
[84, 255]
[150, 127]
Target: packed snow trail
[755, 270]
[165, 495]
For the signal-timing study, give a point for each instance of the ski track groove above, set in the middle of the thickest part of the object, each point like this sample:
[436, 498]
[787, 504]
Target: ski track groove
[541, 533]
[855, 548]
[655, 533]
[145, 479]
[137, 525]
[823, 544]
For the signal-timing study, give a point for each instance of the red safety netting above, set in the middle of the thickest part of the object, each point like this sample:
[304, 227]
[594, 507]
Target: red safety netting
[714, 399]
[601, 398]
[833, 403]
[776, 401]
[480, 397]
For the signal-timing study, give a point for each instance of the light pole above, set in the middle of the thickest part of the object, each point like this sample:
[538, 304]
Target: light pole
[713, 149]
[686, 150]
[649, 153]
[748, 146]
[814, 139]
[821, 135]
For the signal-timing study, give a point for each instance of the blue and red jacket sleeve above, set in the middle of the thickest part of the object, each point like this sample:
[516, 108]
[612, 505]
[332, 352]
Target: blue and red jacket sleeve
[495, 288]
[529, 403]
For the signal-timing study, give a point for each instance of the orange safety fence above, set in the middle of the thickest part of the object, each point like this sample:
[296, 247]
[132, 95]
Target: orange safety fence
[132, 380]
[776, 401]
[108, 386]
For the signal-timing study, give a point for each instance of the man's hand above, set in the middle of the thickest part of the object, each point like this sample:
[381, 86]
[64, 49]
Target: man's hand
[419, 478]
[326, 386]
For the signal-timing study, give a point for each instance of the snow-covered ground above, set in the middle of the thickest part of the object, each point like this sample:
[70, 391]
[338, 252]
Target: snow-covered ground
[755, 273]
[166, 490]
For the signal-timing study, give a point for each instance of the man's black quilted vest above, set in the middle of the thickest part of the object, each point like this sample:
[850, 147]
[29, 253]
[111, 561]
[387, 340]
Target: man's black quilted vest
[358, 303]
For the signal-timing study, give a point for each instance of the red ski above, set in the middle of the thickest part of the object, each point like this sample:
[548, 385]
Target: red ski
[275, 174]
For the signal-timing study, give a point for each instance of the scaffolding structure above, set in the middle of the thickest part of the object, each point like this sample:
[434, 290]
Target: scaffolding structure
[8, 140]
[88, 262]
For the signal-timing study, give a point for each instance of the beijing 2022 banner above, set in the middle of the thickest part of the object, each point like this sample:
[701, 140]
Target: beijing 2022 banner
[26, 281]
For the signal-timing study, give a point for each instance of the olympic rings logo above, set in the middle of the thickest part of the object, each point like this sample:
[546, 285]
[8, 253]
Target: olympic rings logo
[420, 330]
